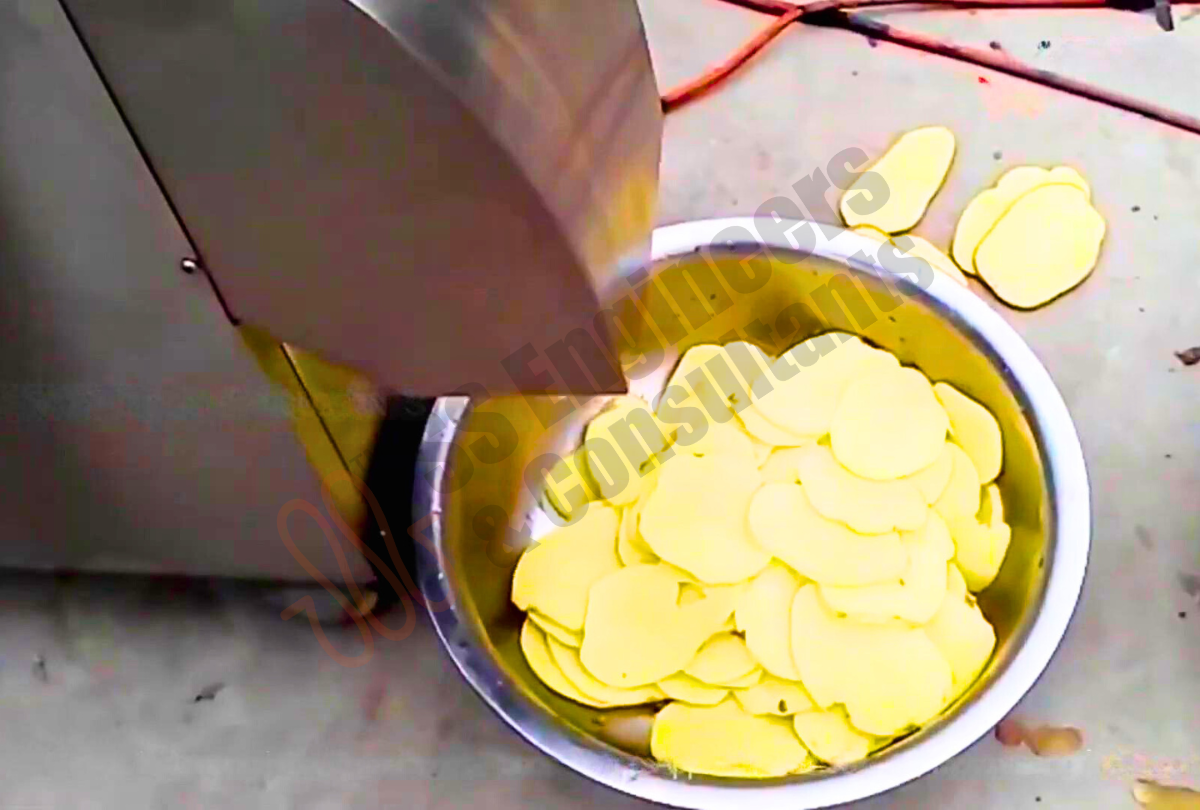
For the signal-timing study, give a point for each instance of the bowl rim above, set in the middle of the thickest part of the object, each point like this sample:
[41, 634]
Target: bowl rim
[1067, 482]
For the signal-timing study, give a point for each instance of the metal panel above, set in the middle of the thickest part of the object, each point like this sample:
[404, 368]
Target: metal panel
[416, 189]
[136, 431]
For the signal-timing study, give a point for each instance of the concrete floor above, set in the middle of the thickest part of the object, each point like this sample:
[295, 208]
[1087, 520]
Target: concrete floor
[131, 693]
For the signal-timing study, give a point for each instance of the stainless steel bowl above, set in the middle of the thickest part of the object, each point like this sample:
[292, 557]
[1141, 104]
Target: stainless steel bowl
[478, 503]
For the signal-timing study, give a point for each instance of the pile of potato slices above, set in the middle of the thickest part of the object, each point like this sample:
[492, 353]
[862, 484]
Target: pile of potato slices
[790, 580]
[1031, 237]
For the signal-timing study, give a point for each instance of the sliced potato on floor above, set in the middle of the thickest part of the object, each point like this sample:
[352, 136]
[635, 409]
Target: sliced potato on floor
[866, 506]
[537, 655]
[553, 629]
[913, 169]
[961, 633]
[822, 368]
[960, 499]
[974, 429]
[843, 661]
[988, 206]
[763, 615]
[724, 740]
[637, 633]
[553, 577]
[764, 430]
[888, 424]
[722, 659]
[784, 521]
[925, 250]
[774, 696]
[696, 517]
[830, 737]
[1043, 246]
[567, 660]
[932, 480]
[980, 549]
[919, 592]
[689, 690]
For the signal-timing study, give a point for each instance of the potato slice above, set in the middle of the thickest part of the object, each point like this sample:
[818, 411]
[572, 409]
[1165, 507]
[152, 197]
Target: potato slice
[932, 480]
[1046, 244]
[763, 429]
[763, 615]
[553, 577]
[556, 631]
[830, 737]
[774, 696]
[762, 450]
[961, 633]
[919, 592]
[961, 496]
[804, 404]
[567, 660]
[785, 522]
[718, 389]
[724, 740]
[980, 549]
[722, 438]
[912, 245]
[889, 676]
[537, 655]
[992, 508]
[913, 168]
[783, 465]
[689, 690]
[631, 430]
[636, 631]
[974, 429]
[982, 212]
[866, 506]
[888, 424]
[696, 517]
[722, 659]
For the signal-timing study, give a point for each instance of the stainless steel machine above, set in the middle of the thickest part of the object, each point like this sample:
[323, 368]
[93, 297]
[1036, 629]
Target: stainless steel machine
[229, 229]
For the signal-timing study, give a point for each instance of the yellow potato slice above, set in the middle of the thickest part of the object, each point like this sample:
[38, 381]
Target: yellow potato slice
[830, 737]
[630, 414]
[636, 631]
[961, 633]
[724, 740]
[763, 615]
[555, 630]
[567, 660]
[866, 506]
[631, 548]
[805, 403]
[888, 424]
[912, 245]
[553, 577]
[960, 499]
[774, 696]
[889, 676]
[763, 429]
[696, 517]
[762, 450]
[932, 480]
[717, 390]
[974, 429]
[983, 211]
[872, 232]
[689, 690]
[746, 681]
[919, 592]
[567, 488]
[537, 654]
[783, 465]
[1046, 244]
[722, 438]
[979, 549]
[724, 658]
[785, 522]
[913, 168]
[992, 508]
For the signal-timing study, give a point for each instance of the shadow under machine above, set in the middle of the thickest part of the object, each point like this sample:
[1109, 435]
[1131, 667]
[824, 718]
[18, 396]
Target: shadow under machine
[244, 242]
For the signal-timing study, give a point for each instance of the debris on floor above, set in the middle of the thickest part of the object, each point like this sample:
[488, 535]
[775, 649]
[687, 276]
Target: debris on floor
[1189, 357]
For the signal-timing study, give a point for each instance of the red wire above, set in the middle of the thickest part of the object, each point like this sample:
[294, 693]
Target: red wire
[831, 13]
